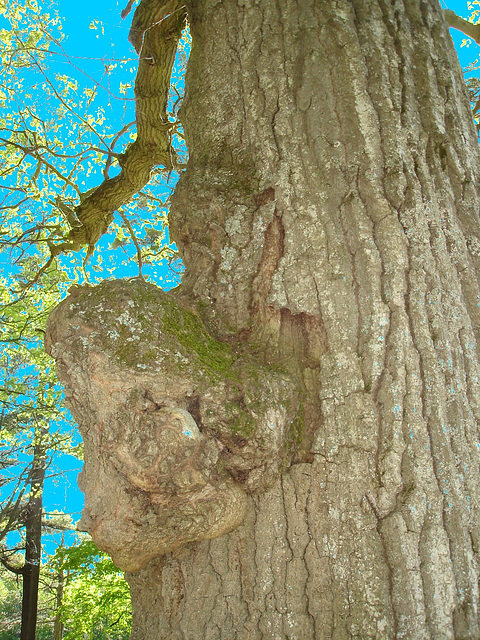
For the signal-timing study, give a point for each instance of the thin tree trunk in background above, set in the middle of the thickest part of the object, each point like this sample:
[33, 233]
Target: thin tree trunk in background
[33, 547]
[58, 626]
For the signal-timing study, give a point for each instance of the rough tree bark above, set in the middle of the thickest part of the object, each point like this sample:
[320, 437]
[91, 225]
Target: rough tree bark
[328, 222]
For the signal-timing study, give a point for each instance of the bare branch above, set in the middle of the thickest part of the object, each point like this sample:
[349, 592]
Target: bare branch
[127, 9]
[10, 567]
[135, 241]
[51, 524]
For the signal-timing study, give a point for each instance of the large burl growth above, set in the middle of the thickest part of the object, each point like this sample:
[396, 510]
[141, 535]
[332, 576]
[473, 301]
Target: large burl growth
[178, 428]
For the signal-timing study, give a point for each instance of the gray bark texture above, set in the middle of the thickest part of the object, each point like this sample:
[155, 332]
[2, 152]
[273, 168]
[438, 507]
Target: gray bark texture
[328, 221]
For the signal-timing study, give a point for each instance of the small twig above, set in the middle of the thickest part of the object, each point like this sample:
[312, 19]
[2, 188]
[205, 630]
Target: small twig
[134, 238]
[16, 205]
[41, 272]
[127, 9]
[34, 153]
[80, 70]
[65, 104]
[152, 197]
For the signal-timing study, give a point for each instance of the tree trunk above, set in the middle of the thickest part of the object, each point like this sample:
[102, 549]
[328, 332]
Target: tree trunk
[58, 626]
[328, 222]
[329, 217]
[33, 546]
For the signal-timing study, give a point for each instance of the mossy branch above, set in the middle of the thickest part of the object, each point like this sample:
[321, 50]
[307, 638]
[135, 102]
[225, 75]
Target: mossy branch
[155, 35]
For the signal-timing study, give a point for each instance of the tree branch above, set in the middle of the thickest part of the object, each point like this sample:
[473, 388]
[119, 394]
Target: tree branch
[17, 570]
[127, 9]
[135, 242]
[57, 526]
[156, 40]
[466, 27]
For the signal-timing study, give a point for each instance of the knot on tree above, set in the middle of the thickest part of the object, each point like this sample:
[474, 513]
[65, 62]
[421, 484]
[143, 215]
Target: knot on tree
[177, 427]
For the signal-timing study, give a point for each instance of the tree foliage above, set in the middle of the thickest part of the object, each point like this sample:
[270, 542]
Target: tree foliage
[32, 417]
[95, 597]
[48, 184]
[96, 601]
[11, 609]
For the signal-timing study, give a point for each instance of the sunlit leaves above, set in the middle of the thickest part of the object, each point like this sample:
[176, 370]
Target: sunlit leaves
[11, 608]
[96, 596]
[96, 24]
[95, 603]
[475, 13]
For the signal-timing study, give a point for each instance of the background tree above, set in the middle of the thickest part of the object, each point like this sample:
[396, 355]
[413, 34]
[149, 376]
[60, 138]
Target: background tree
[96, 601]
[11, 609]
[35, 430]
[82, 595]
[470, 28]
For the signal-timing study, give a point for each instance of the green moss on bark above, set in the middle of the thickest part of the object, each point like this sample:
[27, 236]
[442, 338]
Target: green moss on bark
[216, 357]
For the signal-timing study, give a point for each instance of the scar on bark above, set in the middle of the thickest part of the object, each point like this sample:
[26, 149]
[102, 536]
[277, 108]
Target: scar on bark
[178, 429]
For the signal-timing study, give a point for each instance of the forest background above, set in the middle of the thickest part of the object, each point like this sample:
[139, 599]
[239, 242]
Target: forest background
[68, 113]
